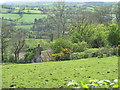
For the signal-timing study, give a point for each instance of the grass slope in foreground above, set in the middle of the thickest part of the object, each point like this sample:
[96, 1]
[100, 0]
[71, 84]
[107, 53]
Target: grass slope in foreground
[56, 74]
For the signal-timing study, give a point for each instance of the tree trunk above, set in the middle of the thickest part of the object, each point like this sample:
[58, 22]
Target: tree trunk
[2, 54]
[16, 57]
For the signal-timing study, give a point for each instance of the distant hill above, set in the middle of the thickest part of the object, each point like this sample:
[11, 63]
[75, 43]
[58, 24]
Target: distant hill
[100, 3]
[21, 3]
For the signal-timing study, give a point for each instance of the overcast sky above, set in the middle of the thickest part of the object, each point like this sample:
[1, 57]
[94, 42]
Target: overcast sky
[2, 1]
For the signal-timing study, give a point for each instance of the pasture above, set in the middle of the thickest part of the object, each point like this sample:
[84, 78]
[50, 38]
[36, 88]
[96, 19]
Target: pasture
[27, 18]
[24, 26]
[57, 74]
[31, 43]
[34, 42]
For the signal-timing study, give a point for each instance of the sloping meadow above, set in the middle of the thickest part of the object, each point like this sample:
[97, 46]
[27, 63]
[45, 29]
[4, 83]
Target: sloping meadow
[60, 73]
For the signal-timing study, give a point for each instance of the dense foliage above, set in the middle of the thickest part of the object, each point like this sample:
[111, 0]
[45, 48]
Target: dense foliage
[87, 29]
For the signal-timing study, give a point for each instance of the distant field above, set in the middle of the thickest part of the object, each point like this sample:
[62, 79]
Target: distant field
[3, 10]
[57, 74]
[27, 18]
[35, 42]
[32, 11]
[24, 26]
[10, 16]
[32, 43]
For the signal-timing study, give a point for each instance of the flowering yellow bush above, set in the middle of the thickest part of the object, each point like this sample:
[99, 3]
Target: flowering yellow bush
[63, 55]
[119, 45]
[56, 55]
[53, 55]
[65, 50]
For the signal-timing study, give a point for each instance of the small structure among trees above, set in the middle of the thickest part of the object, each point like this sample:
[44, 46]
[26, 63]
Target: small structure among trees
[37, 56]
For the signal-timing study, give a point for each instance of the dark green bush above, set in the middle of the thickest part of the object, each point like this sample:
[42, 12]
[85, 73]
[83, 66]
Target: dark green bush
[5, 59]
[11, 58]
[21, 61]
[97, 42]
[8, 58]
[114, 35]
[29, 55]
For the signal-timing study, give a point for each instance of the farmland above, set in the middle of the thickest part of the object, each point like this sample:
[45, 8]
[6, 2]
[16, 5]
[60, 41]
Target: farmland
[30, 13]
[27, 18]
[56, 74]
[48, 45]
[33, 42]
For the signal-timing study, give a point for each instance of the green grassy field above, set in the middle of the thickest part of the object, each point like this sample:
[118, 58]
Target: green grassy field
[32, 11]
[34, 42]
[10, 16]
[27, 18]
[3, 10]
[56, 74]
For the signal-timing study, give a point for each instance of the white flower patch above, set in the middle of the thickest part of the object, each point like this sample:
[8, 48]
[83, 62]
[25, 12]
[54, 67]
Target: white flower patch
[72, 83]
[100, 82]
[107, 81]
[112, 84]
[115, 81]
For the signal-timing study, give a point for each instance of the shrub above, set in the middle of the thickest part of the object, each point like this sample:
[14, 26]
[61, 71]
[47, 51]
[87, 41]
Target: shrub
[59, 44]
[92, 52]
[8, 58]
[95, 52]
[80, 46]
[114, 36]
[107, 51]
[63, 55]
[114, 51]
[78, 55]
[29, 55]
[97, 42]
[21, 61]
[56, 57]
[66, 54]
[86, 54]
[5, 58]
[11, 58]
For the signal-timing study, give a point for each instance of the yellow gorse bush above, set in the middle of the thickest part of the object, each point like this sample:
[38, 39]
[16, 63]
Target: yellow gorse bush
[119, 45]
[56, 55]
[65, 50]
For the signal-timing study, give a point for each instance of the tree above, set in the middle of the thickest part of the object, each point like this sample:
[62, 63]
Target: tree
[114, 35]
[57, 18]
[18, 42]
[61, 43]
[118, 20]
[6, 33]
[35, 20]
[99, 36]
[80, 31]
[118, 14]
[103, 14]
